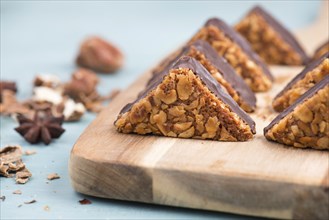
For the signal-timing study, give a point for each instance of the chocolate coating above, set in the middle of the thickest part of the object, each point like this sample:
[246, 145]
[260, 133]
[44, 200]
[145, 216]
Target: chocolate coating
[302, 74]
[243, 44]
[311, 92]
[282, 31]
[206, 78]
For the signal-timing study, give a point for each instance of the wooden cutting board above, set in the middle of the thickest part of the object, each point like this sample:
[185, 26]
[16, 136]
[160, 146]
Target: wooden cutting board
[257, 177]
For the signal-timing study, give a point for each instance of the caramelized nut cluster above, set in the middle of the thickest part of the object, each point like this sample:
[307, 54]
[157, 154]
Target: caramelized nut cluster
[246, 68]
[181, 106]
[307, 125]
[298, 89]
[267, 42]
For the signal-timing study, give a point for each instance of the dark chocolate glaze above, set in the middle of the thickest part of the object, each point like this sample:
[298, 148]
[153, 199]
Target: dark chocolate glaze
[222, 66]
[243, 44]
[206, 78]
[302, 74]
[282, 31]
[311, 92]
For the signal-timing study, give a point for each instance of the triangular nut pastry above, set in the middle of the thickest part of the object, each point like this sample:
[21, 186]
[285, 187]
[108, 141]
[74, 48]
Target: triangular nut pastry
[270, 39]
[306, 122]
[187, 102]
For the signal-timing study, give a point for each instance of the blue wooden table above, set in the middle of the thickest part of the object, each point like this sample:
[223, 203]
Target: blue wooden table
[43, 37]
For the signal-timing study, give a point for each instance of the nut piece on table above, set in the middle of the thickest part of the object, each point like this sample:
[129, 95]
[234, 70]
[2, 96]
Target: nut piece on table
[47, 80]
[7, 85]
[10, 106]
[312, 74]
[99, 55]
[23, 176]
[82, 88]
[218, 67]
[270, 39]
[53, 176]
[323, 49]
[73, 111]
[238, 53]
[11, 163]
[83, 83]
[306, 122]
[45, 94]
[11, 153]
[186, 102]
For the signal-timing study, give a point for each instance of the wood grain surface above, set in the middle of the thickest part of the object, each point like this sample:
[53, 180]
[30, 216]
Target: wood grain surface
[257, 177]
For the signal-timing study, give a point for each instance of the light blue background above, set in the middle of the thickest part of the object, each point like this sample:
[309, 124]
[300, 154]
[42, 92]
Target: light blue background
[43, 37]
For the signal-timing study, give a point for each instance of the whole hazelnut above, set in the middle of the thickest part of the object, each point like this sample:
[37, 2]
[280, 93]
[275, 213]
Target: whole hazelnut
[99, 55]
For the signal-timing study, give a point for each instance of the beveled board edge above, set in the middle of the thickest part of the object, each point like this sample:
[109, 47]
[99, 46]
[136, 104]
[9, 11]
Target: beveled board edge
[224, 193]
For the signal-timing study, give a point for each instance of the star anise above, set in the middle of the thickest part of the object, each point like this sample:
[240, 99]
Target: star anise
[43, 127]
